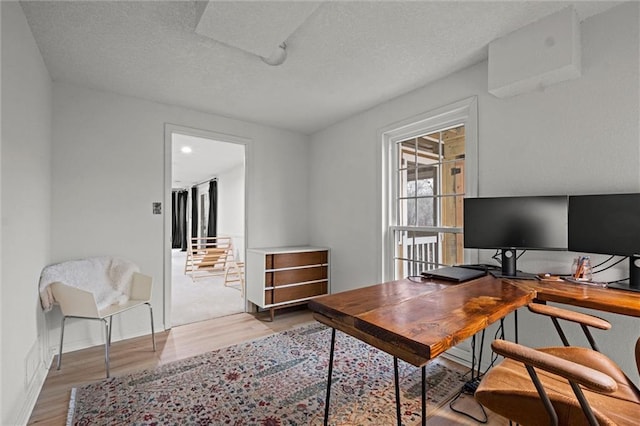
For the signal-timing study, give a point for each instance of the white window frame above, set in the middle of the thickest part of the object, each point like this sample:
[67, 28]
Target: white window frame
[461, 112]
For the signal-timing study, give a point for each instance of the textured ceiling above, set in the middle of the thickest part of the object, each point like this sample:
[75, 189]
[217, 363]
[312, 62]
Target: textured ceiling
[344, 58]
[257, 27]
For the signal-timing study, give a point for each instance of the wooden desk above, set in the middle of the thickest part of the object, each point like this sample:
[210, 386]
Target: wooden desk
[417, 321]
[612, 300]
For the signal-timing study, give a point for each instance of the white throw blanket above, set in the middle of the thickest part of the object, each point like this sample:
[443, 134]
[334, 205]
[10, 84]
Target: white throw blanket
[108, 278]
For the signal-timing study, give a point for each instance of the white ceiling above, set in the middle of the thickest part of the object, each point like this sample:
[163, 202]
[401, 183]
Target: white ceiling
[207, 159]
[343, 57]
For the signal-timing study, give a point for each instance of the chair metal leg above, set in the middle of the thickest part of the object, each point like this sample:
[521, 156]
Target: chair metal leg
[586, 408]
[153, 334]
[107, 343]
[110, 328]
[61, 340]
[326, 404]
[553, 417]
[397, 386]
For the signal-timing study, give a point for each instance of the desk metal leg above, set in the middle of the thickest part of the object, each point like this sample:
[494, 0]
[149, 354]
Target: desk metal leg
[423, 392]
[397, 386]
[424, 395]
[326, 404]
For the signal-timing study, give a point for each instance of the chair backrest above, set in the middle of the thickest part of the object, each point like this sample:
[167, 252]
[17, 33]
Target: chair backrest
[107, 277]
[74, 301]
[141, 287]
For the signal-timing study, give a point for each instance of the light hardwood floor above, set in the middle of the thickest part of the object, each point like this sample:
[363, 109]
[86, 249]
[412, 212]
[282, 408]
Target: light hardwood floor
[87, 365]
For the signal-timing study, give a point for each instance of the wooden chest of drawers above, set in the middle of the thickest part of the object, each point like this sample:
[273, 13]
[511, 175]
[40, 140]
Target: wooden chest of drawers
[282, 276]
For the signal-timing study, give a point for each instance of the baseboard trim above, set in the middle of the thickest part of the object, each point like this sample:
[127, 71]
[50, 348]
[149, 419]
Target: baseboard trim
[33, 392]
[89, 342]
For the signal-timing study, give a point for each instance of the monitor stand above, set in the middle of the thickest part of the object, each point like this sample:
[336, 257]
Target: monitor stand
[633, 284]
[509, 269]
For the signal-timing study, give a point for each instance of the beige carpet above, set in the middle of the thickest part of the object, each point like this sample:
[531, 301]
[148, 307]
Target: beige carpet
[202, 299]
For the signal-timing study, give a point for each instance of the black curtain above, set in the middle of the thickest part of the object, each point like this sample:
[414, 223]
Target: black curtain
[194, 211]
[183, 219]
[175, 223]
[213, 208]
[179, 220]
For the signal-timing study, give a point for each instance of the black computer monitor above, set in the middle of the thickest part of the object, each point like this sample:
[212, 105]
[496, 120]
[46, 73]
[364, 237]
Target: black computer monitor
[608, 224]
[516, 223]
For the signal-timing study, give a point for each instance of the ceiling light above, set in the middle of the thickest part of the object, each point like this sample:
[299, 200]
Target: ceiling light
[186, 150]
[278, 56]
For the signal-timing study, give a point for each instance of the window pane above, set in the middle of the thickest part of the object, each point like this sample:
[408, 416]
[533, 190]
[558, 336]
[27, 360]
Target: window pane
[453, 177]
[454, 143]
[402, 184]
[409, 214]
[452, 248]
[425, 173]
[415, 252]
[410, 189]
[406, 153]
[426, 212]
[451, 211]
[428, 148]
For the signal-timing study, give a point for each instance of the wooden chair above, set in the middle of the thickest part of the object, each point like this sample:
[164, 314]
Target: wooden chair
[77, 303]
[560, 385]
[208, 256]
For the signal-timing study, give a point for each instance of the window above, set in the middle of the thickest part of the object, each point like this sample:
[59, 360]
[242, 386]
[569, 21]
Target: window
[430, 188]
[430, 168]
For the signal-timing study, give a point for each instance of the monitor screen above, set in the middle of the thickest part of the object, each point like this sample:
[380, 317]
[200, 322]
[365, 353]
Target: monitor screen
[605, 224]
[534, 223]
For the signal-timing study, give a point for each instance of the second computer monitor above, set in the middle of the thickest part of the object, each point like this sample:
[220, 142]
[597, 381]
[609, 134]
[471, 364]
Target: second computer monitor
[608, 224]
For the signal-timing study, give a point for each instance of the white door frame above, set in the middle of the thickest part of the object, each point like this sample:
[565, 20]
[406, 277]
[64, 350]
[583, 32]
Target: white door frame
[169, 130]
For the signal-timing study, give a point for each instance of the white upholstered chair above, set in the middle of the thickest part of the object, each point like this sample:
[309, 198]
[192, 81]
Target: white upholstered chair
[95, 289]
[78, 303]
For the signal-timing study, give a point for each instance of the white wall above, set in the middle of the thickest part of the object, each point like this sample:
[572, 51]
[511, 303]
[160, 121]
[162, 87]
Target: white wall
[576, 137]
[26, 208]
[108, 168]
[231, 207]
[203, 188]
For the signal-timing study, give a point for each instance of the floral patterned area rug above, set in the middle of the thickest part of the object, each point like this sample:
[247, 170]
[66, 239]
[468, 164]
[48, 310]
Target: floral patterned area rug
[276, 380]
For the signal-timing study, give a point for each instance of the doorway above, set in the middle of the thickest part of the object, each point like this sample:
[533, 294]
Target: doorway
[207, 221]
